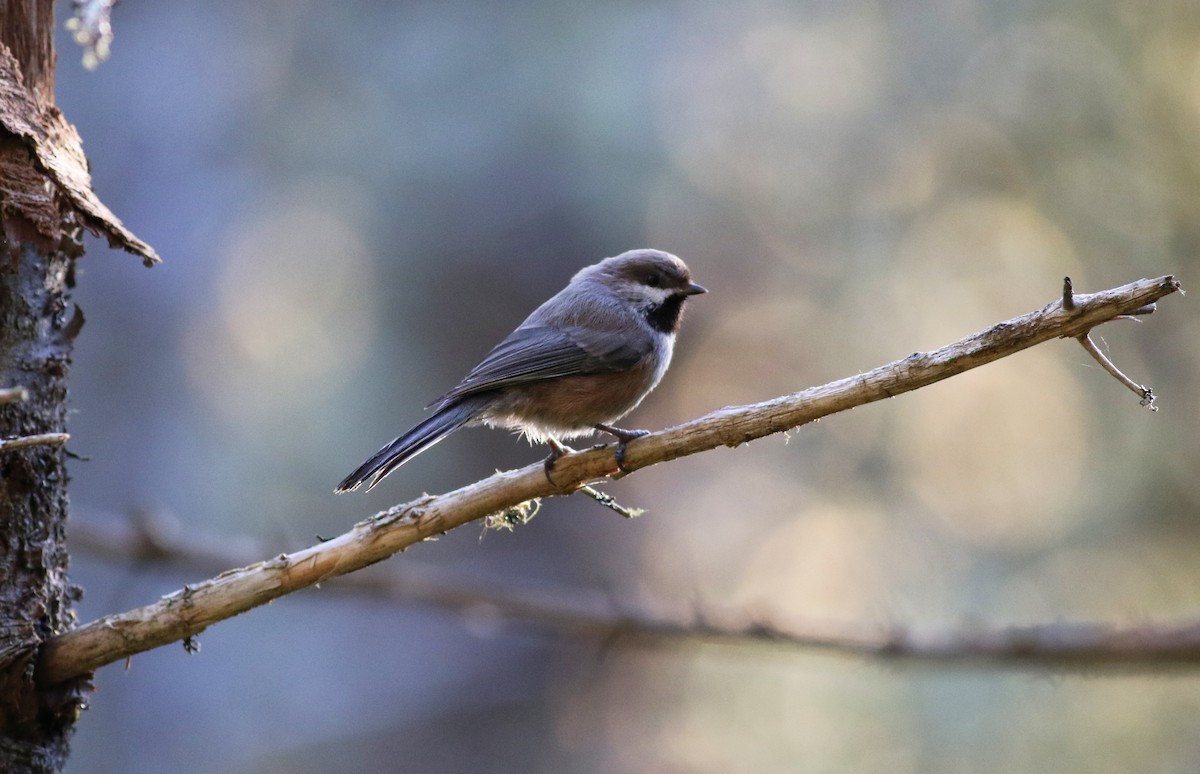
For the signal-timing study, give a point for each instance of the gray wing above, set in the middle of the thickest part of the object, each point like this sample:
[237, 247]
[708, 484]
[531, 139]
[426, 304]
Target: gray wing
[536, 352]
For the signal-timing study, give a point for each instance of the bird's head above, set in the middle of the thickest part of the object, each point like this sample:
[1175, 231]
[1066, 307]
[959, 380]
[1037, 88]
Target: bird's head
[655, 282]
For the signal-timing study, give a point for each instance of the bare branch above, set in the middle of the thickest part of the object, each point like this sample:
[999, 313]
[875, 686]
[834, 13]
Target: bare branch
[153, 539]
[190, 610]
[25, 441]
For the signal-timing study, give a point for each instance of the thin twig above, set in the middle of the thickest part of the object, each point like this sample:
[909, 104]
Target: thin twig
[608, 501]
[189, 612]
[25, 441]
[1145, 393]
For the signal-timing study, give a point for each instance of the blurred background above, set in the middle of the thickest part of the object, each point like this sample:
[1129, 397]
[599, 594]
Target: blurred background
[354, 201]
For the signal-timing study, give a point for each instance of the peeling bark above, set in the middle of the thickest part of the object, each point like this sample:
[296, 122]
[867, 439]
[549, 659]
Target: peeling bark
[34, 123]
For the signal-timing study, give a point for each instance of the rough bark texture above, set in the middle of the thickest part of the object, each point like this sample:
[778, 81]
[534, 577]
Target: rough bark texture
[37, 325]
[35, 594]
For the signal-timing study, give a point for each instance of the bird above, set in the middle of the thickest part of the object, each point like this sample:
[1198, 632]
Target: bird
[579, 363]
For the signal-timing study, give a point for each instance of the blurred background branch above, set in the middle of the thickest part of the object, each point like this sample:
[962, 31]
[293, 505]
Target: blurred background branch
[145, 539]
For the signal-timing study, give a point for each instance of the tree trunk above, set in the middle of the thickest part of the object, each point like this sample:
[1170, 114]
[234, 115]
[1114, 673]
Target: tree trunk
[35, 595]
[39, 240]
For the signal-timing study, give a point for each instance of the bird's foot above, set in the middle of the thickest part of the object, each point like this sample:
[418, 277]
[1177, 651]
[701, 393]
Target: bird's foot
[623, 437]
[557, 449]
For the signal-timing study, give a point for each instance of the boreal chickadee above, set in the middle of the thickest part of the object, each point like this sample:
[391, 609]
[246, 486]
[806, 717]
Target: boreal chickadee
[580, 362]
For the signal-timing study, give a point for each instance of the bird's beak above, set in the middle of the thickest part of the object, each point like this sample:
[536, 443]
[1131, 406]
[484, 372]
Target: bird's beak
[694, 290]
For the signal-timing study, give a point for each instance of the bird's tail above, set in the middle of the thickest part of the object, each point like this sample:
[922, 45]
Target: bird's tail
[444, 421]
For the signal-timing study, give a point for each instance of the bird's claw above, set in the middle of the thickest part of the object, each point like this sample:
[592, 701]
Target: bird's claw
[557, 450]
[623, 437]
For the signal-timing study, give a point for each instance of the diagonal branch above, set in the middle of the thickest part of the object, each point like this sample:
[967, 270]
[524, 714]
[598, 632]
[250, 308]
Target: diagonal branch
[195, 607]
[152, 539]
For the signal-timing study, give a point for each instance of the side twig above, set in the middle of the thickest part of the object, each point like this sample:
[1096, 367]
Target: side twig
[608, 501]
[190, 610]
[25, 441]
[13, 394]
[1145, 393]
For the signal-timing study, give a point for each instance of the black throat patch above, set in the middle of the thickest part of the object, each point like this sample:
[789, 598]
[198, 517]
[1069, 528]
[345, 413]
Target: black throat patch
[664, 318]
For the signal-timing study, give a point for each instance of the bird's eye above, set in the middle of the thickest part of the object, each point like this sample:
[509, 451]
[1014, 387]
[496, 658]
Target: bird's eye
[653, 280]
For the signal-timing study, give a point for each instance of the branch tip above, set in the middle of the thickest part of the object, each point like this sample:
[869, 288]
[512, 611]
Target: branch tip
[1068, 294]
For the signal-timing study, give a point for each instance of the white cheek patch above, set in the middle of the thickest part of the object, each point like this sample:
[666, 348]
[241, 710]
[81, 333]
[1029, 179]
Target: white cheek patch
[657, 296]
